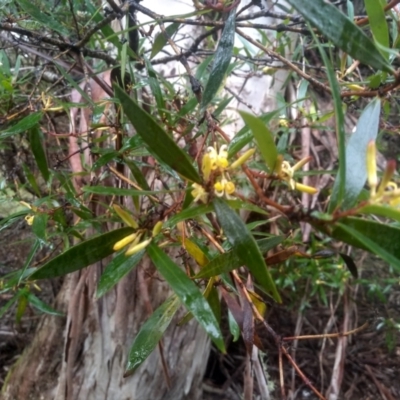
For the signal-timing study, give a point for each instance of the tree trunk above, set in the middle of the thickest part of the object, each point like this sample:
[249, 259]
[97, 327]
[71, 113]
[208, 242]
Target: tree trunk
[97, 336]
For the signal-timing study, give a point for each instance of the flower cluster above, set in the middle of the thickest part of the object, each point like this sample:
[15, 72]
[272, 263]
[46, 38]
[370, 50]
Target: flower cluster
[215, 164]
[134, 239]
[386, 192]
[285, 172]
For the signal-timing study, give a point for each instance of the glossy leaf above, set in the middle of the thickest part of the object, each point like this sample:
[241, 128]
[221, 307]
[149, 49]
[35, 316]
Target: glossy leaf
[150, 333]
[356, 151]
[116, 270]
[245, 246]
[229, 261]
[39, 226]
[245, 135]
[377, 21]
[351, 265]
[161, 40]
[22, 126]
[382, 247]
[381, 210]
[339, 120]
[158, 141]
[264, 138]
[381, 239]
[221, 62]
[35, 141]
[42, 306]
[188, 292]
[343, 33]
[82, 255]
[115, 191]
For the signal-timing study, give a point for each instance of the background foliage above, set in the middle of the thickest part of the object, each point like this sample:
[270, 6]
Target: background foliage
[254, 228]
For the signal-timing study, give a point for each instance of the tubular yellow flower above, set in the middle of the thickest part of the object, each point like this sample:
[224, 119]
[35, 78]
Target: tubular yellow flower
[29, 219]
[199, 193]
[125, 241]
[213, 160]
[135, 248]
[371, 167]
[157, 228]
[286, 172]
[242, 159]
[386, 192]
[305, 188]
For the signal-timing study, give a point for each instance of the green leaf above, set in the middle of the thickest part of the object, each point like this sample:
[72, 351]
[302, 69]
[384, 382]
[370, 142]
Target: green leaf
[45, 19]
[356, 151]
[22, 126]
[42, 306]
[189, 213]
[264, 138]
[377, 21]
[188, 293]
[116, 270]
[114, 191]
[230, 260]
[339, 119]
[245, 246]
[35, 140]
[158, 141]
[39, 226]
[245, 135]
[382, 210]
[343, 33]
[221, 62]
[382, 240]
[82, 255]
[161, 40]
[150, 333]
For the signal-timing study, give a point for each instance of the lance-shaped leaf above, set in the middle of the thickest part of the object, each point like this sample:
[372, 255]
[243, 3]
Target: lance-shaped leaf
[356, 151]
[343, 33]
[382, 210]
[150, 333]
[264, 138]
[377, 21]
[22, 126]
[116, 270]
[188, 292]
[35, 139]
[230, 260]
[157, 140]
[161, 39]
[82, 255]
[382, 240]
[221, 62]
[339, 119]
[245, 246]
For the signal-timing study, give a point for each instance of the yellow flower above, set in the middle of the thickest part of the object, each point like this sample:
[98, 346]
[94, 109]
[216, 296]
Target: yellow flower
[126, 240]
[135, 248]
[286, 173]
[213, 160]
[199, 193]
[29, 218]
[387, 191]
[242, 159]
[224, 187]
